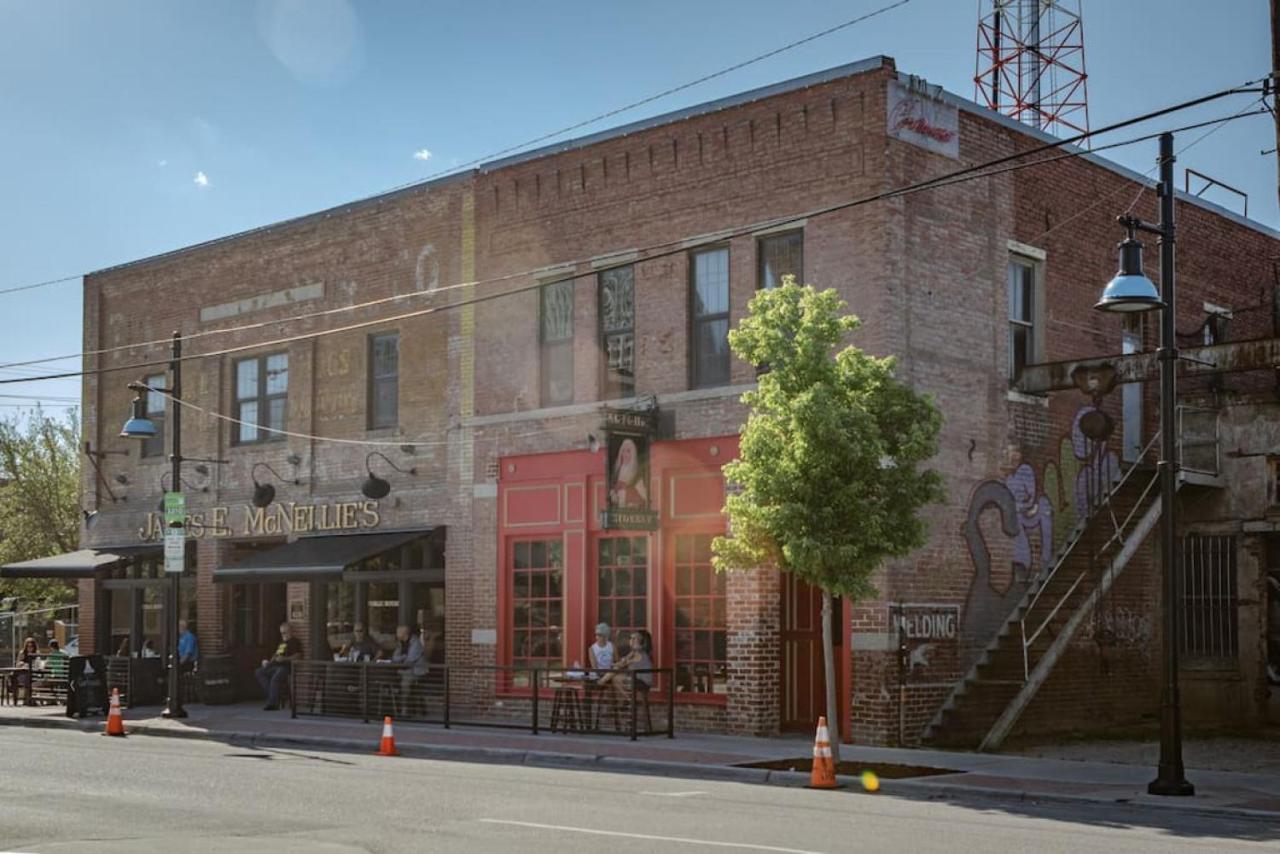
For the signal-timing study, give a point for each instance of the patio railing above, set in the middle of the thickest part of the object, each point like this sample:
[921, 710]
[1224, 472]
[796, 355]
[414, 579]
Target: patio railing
[536, 699]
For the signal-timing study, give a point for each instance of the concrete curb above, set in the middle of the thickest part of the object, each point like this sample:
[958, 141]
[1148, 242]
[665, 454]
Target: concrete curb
[916, 788]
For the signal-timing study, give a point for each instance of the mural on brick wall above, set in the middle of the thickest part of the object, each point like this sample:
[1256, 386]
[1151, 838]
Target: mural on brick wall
[1037, 507]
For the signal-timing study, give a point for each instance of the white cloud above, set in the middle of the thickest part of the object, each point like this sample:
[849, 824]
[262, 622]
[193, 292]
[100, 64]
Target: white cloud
[422, 154]
[162, 162]
[201, 179]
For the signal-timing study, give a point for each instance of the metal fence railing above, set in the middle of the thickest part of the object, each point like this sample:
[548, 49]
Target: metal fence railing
[630, 703]
[60, 623]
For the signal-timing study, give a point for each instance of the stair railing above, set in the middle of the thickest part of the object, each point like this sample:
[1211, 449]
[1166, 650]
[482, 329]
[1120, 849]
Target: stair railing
[1120, 527]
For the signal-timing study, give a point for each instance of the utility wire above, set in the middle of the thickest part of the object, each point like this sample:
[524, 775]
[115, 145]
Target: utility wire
[981, 170]
[543, 138]
[650, 249]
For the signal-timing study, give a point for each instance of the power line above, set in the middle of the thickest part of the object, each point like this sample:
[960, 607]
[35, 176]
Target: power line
[521, 274]
[981, 170]
[457, 168]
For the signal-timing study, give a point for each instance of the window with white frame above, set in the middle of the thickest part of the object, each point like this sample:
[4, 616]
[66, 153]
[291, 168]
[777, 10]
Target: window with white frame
[154, 447]
[262, 398]
[1022, 315]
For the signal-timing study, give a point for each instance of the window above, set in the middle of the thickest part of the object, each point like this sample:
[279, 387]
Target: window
[556, 336]
[709, 333]
[384, 380]
[780, 255]
[154, 446]
[1209, 627]
[622, 586]
[537, 605]
[617, 332]
[1022, 343]
[262, 398]
[701, 621]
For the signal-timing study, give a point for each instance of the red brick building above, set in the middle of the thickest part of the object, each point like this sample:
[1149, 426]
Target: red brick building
[502, 311]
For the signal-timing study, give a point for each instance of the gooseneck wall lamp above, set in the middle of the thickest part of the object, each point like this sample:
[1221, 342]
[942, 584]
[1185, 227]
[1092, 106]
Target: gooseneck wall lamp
[376, 487]
[265, 493]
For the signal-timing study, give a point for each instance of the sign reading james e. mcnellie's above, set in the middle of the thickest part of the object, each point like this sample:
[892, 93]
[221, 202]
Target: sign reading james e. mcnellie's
[245, 520]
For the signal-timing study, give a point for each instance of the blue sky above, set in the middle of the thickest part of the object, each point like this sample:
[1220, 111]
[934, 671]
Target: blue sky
[134, 128]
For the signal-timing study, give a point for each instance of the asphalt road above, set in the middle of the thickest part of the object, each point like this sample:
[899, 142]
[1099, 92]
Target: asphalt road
[64, 791]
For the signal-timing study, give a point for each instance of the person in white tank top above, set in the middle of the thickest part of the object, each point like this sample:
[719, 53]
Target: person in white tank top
[602, 653]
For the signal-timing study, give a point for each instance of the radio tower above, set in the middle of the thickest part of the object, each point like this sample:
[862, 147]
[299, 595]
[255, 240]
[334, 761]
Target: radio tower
[1031, 63]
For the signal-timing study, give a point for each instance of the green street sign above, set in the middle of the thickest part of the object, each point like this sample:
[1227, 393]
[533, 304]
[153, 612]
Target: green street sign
[175, 508]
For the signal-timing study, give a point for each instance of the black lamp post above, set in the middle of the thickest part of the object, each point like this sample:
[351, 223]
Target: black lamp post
[139, 426]
[1132, 291]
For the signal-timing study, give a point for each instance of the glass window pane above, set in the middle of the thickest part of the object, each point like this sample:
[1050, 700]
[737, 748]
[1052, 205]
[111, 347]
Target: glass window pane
[249, 416]
[277, 410]
[278, 373]
[781, 255]
[386, 355]
[711, 352]
[617, 299]
[155, 400]
[246, 379]
[711, 282]
[557, 312]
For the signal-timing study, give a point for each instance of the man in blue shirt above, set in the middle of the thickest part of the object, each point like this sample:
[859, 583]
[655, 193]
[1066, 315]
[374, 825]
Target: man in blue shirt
[188, 649]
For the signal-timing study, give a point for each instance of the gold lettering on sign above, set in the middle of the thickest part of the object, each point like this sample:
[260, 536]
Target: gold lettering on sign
[276, 520]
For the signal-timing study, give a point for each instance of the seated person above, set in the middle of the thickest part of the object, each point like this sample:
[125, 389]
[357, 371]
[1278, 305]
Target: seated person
[25, 658]
[56, 661]
[148, 650]
[639, 658]
[275, 670]
[409, 652]
[601, 654]
[361, 648]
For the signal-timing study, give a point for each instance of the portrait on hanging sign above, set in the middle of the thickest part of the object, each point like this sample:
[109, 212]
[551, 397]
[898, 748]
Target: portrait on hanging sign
[628, 472]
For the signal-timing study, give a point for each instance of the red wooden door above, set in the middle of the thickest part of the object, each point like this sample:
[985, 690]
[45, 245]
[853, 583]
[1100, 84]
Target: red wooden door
[803, 686]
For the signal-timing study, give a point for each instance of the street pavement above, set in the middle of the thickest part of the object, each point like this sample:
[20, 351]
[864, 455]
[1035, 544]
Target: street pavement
[66, 790]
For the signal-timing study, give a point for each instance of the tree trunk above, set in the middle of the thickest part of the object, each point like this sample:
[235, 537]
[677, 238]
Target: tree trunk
[829, 662]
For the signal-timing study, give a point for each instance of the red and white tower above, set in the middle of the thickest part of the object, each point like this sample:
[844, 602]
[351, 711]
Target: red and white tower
[1031, 63]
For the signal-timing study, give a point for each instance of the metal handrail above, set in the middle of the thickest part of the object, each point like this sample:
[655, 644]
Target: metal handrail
[1067, 550]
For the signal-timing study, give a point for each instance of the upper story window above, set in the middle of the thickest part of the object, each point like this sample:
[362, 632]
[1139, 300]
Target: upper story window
[384, 380]
[556, 338]
[154, 446]
[780, 255]
[709, 318]
[262, 398]
[1022, 315]
[618, 332]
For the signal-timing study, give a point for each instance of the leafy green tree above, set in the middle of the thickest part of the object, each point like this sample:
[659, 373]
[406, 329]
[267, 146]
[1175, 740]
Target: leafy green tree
[828, 484]
[39, 508]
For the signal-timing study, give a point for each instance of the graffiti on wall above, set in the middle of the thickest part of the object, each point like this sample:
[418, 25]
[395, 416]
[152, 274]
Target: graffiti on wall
[1037, 507]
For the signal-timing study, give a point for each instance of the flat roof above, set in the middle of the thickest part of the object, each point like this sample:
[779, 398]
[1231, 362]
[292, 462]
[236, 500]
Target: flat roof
[794, 84]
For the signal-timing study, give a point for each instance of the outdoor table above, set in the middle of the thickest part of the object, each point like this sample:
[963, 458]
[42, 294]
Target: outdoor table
[571, 704]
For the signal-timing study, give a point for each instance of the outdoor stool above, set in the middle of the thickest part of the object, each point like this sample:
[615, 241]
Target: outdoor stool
[566, 709]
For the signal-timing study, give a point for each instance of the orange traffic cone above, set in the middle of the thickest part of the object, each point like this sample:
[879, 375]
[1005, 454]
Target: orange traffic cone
[824, 769]
[388, 746]
[115, 721]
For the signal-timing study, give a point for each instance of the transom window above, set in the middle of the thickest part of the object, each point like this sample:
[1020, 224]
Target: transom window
[780, 255]
[262, 398]
[384, 380]
[701, 619]
[537, 605]
[617, 331]
[556, 337]
[154, 446]
[709, 333]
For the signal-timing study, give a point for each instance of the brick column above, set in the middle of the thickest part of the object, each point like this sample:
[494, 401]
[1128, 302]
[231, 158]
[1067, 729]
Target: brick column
[211, 600]
[755, 651]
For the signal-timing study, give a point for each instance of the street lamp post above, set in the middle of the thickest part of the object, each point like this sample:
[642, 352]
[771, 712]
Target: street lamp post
[1131, 291]
[139, 426]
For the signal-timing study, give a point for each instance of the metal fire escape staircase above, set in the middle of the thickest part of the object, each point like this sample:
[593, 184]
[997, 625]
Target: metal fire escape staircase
[984, 706]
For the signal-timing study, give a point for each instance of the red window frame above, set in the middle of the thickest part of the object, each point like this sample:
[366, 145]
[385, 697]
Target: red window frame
[537, 582]
[699, 614]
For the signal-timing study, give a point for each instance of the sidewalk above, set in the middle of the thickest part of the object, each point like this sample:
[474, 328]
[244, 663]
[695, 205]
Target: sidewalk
[1002, 777]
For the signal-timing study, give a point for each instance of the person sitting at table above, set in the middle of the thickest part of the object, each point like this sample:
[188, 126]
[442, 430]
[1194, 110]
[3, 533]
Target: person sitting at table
[56, 661]
[409, 652]
[638, 658]
[123, 650]
[275, 670]
[148, 650]
[361, 647]
[26, 658]
[601, 654]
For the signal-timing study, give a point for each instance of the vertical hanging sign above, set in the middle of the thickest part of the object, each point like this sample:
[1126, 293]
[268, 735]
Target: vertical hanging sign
[175, 539]
[628, 434]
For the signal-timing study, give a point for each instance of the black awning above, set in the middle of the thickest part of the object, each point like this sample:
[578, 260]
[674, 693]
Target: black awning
[85, 563]
[313, 558]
